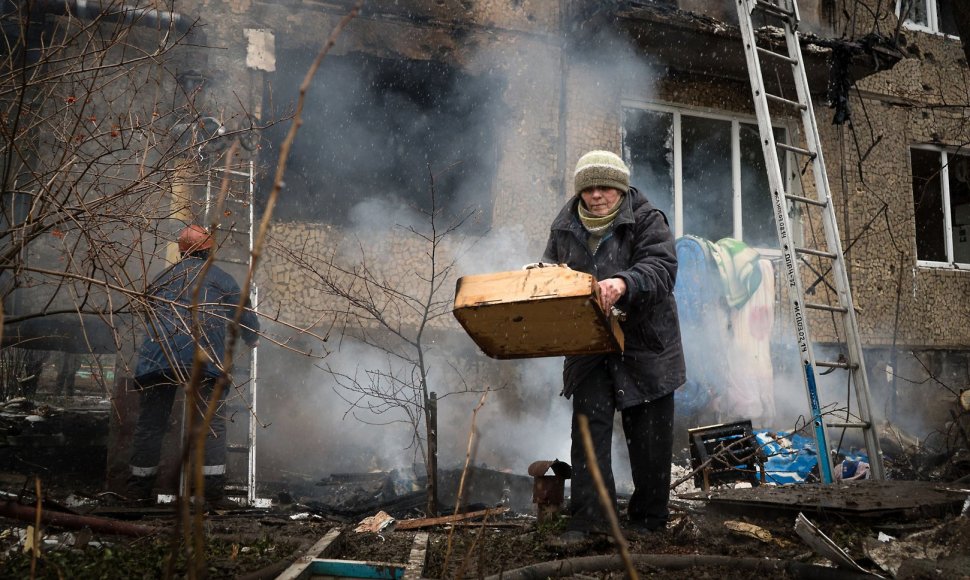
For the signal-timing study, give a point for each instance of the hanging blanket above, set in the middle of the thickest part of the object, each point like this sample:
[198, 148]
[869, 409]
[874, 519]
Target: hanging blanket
[738, 265]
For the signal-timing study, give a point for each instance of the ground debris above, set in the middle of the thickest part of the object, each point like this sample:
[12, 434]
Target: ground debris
[933, 546]
[756, 532]
[823, 545]
[377, 523]
[428, 522]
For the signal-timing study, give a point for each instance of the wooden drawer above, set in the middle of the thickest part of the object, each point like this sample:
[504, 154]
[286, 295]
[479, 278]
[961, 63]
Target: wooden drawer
[551, 311]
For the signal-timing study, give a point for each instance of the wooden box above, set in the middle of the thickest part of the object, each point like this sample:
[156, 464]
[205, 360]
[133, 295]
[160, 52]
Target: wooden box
[551, 311]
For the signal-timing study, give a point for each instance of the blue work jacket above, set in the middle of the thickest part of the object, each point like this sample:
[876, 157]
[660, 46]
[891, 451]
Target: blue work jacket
[169, 344]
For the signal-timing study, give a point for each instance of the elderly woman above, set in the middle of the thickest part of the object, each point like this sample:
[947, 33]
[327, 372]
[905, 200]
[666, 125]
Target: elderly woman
[610, 230]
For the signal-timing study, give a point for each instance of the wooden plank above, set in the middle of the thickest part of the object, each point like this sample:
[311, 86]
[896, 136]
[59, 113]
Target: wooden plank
[331, 568]
[428, 522]
[865, 498]
[550, 311]
[299, 568]
[417, 558]
[522, 285]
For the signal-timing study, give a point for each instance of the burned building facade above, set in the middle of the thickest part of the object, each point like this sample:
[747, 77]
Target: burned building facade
[476, 111]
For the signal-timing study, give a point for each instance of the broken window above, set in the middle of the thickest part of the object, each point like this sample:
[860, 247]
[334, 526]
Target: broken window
[707, 173]
[929, 15]
[941, 203]
[374, 133]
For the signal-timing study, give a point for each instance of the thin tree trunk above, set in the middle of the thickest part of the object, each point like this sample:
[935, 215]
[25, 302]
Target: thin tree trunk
[431, 421]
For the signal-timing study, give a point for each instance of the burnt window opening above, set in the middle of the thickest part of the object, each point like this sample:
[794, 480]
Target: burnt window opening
[723, 188]
[929, 15]
[372, 127]
[941, 204]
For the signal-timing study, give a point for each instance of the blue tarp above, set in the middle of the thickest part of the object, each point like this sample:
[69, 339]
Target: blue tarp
[793, 457]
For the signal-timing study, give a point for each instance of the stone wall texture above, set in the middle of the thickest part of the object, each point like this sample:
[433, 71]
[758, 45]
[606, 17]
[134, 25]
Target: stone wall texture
[558, 103]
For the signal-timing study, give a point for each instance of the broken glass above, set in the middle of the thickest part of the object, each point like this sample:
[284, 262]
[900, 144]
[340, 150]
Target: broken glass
[708, 185]
[928, 205]
[648, 145]
[918, 12]
[944, 13]
[959, 182]
[757, 219]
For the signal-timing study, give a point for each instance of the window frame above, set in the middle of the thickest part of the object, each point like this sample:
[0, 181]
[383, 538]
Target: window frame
[735, 119]
[931, 16]
[947, 226]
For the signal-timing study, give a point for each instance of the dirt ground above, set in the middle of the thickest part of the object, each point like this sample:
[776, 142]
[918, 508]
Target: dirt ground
[701, 541]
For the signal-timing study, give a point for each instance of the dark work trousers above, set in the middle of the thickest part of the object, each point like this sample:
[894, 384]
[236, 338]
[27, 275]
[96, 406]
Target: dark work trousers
[156, 396]
[649, 434]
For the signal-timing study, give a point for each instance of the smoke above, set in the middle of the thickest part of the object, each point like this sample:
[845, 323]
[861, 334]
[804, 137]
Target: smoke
[409, 133]
[523, 419]
[310, 433]
[504, 248]
[381, 133]
[383, 136]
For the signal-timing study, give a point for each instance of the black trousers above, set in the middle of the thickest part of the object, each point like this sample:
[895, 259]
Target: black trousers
[156, 396]
[649, 435]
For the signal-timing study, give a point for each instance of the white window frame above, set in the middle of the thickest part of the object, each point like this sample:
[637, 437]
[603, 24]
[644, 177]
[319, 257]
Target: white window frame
[931, 16]
[947, 212]
[735, 120]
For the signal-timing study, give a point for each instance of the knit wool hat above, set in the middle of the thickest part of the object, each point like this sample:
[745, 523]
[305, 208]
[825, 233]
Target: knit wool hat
[601, 168]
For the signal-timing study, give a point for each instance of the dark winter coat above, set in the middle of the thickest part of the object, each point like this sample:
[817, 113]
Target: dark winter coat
[169, 344]
[640, 250]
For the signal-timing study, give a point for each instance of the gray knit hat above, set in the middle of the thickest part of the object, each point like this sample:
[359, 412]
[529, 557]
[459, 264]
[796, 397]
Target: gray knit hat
[602, 168]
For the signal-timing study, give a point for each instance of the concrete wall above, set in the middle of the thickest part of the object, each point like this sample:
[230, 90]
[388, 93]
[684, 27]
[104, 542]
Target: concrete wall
[555, 106]
[921, 100]
[515, 41]
[898, 107]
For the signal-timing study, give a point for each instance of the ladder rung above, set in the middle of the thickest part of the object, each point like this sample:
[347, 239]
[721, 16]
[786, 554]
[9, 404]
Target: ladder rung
[818, 253]
[850, 425]
[807, 200]
[773, 9]
[799, 150]
[231, 171]
[834, 364]
[777, 55]
[826, 307]
[785, 14]
[236, 262]
[785, 101]
[237, 448]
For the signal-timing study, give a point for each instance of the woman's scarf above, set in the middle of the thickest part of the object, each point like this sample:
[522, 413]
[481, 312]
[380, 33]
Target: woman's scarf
[597, 226]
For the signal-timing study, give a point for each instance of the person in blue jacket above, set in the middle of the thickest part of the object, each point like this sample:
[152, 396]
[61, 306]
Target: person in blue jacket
[610, 230]
[166, 357]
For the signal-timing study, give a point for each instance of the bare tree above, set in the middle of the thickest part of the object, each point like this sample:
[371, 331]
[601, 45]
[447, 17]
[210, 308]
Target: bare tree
[105, 150]
[392, 313]
[100, 144]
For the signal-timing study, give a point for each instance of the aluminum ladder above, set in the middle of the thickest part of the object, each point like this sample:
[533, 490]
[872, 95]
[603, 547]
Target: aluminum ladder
[235, 234]
[784, 15]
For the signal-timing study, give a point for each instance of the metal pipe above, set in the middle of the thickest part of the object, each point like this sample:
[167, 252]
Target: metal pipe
[27, 514]
[592, 564]
[111, 12]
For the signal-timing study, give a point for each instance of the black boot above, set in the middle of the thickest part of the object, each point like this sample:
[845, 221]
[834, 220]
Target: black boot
[139, 489]
[215, 493]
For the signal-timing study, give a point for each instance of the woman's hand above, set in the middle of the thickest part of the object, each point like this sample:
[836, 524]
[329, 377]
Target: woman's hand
[611, 290]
